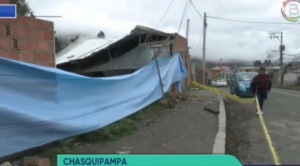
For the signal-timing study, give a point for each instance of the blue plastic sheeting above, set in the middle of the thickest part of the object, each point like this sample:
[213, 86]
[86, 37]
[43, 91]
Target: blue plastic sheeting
[40, 105]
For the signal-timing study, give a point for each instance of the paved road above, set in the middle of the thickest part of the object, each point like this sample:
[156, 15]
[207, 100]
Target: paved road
[282, 116]
[187, 128]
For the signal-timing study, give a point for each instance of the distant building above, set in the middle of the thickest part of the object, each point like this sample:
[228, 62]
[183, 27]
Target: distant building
[256, 69]
[273, 71]
[199, 76]
[220, 72]
[292, 74]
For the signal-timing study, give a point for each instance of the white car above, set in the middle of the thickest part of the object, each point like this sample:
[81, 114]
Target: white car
[220, 83]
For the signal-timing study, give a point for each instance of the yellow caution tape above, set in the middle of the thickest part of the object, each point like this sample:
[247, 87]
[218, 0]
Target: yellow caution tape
[261, 119]
[222, 93]
[267, 135]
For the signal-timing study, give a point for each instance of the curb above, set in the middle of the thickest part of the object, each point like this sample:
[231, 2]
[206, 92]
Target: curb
[220, 140]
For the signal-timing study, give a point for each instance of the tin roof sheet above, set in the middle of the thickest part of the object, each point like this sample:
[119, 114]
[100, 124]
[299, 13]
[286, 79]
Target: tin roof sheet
[82, 49]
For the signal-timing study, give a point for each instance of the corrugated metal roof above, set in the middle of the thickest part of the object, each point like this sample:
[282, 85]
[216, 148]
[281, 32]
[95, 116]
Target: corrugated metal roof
[143, 29]
[83, 49]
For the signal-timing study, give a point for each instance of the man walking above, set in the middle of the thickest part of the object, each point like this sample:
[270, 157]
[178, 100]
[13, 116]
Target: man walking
[260, 86]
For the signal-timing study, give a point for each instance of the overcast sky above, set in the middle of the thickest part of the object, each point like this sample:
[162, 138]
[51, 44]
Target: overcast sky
[226, 40]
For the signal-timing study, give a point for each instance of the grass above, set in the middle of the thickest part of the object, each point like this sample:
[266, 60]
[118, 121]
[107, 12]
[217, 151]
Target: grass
[111, 132]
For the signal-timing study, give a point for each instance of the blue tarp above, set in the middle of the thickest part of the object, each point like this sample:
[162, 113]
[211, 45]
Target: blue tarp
[39, 105]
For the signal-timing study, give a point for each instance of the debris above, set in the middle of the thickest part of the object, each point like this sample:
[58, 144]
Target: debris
[37, 161]
[214, 111]
[167, 103]
[124, 152]
[181, 98]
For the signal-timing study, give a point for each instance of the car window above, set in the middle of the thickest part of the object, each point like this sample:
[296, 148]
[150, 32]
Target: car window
[245, 77]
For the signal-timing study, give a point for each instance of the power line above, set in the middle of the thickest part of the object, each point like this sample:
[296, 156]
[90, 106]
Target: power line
[256, 22]
[247, 26]
[165, 13]
[261, 27]
[186, 6]
[196, 9]
[261, 18]
[191, 2]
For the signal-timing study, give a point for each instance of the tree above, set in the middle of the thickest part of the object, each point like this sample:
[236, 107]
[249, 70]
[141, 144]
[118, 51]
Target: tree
[101, 34]
[58, 46]
[23, 8]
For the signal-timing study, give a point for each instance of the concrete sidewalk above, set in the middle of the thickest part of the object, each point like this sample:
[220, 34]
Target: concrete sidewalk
[187, 128]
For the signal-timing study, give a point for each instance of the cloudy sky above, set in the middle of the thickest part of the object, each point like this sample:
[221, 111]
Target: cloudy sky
[225, 39]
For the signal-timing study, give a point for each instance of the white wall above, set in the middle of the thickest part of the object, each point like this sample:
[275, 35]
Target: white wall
[290, 78]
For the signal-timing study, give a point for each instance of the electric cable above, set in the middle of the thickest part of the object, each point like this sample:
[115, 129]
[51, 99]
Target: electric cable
[196, 9]
[170, 4]
[186, 6]
[256, 22]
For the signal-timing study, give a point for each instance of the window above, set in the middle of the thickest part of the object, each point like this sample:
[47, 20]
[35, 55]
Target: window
[246, 77]
[15, 43]
[8, 30]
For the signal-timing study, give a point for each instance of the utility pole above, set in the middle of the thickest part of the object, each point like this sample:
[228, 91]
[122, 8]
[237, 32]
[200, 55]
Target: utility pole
[279, 36]
[188, 54]
[281, 59]
[187, 30]
[203, 49]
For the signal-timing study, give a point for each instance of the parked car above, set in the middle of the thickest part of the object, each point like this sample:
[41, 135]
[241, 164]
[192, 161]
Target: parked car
[220, 83]
[240, 84]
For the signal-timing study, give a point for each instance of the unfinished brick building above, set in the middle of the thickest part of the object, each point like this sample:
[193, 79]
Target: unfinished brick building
[27, 39]
[180, 45]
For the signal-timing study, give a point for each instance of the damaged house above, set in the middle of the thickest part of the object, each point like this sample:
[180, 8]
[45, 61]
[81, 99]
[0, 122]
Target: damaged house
[104, 57]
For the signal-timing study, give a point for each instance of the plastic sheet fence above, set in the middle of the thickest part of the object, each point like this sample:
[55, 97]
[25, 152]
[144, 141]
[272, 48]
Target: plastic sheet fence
[40, 105]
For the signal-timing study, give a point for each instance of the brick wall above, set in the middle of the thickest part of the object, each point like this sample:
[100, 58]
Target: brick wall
[4, 1]
[28, 39]
[180, 45]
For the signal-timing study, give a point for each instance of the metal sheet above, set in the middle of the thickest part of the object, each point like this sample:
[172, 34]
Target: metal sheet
[82, 49]
[134, 59]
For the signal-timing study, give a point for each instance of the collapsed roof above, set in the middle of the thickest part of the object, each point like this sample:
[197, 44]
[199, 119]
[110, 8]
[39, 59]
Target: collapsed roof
[92, 52]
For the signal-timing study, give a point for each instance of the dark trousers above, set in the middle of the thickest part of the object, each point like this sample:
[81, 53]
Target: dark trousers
[261, 97]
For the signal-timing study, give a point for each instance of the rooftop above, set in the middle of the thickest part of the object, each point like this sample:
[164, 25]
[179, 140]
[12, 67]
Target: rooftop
[82, 48]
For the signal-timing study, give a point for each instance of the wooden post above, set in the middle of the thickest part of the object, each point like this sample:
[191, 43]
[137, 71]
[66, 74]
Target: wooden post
[157, 66]
[146, 39]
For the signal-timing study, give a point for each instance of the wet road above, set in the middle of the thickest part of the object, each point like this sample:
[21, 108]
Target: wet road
[282, 116]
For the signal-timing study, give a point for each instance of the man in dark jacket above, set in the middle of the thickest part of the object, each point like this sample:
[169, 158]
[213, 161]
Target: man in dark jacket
[261, 85]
